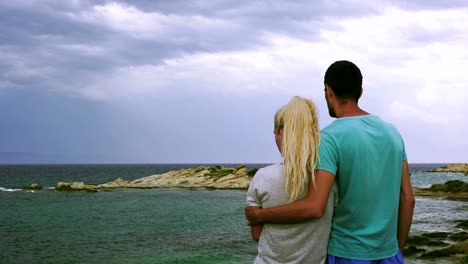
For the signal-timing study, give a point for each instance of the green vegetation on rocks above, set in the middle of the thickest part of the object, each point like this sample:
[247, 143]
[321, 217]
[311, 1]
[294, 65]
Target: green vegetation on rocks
[214, 168]
[454, 186]
[252, 172]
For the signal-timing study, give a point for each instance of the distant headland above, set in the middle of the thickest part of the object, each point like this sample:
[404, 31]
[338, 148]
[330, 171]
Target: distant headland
[456, 167]
[219, 177]
[215, 177]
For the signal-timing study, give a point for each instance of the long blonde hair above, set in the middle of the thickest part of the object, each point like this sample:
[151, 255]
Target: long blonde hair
[301, 138]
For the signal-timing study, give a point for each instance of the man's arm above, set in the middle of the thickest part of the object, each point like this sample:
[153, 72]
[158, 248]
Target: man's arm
[311, 206]
[407, 201]
[255, 231]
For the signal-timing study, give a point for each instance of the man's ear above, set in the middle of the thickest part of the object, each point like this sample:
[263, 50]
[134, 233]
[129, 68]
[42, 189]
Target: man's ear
[329, 91]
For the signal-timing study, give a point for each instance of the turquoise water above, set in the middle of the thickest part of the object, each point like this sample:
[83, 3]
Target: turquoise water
[145, 226]
[125, 226]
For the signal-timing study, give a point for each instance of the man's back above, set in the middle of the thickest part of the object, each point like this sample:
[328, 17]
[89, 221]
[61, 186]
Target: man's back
[365, 154]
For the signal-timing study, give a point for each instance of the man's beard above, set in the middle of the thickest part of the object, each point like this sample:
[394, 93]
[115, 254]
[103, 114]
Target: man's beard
[331, 111]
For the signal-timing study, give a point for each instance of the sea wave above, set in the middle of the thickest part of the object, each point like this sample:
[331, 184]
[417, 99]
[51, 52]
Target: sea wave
[2, 189]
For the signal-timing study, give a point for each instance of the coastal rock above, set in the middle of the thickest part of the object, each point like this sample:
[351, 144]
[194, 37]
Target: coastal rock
[413, 250]
[436, 245]
[430, 239]
[462, 224]
[459, 248]
[33, 186]
[117, 183]
[218, 177]
[460, 167]
[215, 177]
[456, 189]
[462, 236]
[62, 186]
[78, 186]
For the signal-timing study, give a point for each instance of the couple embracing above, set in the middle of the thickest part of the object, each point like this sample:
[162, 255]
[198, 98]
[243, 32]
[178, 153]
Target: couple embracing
[342, 195]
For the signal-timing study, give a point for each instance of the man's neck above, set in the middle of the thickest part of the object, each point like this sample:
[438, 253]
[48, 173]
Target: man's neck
[349, 109]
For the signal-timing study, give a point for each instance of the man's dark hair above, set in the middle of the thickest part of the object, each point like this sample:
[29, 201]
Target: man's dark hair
[345, 79]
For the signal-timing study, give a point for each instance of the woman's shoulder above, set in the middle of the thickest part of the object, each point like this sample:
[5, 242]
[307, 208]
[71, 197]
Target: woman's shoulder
[271, 169]
[273, 172]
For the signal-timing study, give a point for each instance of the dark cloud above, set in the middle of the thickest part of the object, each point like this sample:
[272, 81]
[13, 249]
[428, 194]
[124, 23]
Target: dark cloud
[66, 46]
[54, 48]
[60, 45]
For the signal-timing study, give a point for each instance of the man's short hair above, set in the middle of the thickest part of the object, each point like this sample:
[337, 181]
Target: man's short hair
[345, 79]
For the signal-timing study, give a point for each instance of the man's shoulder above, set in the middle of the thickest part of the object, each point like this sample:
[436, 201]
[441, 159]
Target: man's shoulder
[386, 125]
[351, 123]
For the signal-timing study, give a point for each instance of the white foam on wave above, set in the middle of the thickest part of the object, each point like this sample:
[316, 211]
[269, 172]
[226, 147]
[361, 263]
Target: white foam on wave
[9, 190]
[424, 186]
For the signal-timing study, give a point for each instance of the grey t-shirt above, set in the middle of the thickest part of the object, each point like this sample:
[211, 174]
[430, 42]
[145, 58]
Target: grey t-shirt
[288, 243]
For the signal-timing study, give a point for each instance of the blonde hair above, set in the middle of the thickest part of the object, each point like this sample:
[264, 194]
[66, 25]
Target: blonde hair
[301, 138]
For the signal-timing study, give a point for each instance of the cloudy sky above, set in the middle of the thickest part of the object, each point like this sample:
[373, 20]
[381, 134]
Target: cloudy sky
[199, 81]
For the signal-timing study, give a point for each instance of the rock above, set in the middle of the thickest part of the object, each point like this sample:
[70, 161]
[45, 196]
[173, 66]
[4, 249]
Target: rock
[456, 190]
[241, 166]
[459, 248]
[429, 239]
[462, 224]
[63, 186]
[33, 186]
[462, 236]
[216, 177]
[412, 250]
[117, 183]
[453, 168]
[75, 186]
[454, 186]
[242, 171]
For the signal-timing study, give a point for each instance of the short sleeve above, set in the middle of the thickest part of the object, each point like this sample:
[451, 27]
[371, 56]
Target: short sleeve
[404, 150]
[253, 196]
[328, 154]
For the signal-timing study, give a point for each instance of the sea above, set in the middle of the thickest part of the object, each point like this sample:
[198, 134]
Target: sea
[162, 225]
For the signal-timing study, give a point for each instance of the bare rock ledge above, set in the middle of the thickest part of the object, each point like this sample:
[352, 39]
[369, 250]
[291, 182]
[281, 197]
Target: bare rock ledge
[460, 167]
[215, 177]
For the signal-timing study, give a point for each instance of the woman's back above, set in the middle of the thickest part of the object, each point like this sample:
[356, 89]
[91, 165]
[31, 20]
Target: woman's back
[304, 242]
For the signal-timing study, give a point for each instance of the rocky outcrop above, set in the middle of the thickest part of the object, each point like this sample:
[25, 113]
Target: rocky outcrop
[460, 167]
[438, 245]
[451, 189]
[215, 177]
[33, 186]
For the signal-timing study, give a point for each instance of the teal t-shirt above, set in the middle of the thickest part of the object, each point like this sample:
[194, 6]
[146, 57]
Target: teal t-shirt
[365, 154]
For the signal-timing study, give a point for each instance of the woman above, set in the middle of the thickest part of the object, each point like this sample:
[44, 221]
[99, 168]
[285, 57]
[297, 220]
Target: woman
[297, 136]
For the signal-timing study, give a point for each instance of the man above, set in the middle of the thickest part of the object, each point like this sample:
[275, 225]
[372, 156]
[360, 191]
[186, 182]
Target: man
[366, 157]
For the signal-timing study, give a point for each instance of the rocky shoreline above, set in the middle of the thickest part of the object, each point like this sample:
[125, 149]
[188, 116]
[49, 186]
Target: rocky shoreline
[456, 167]
[215, 177]
[218, 177]
[440, 245]
[436, 245]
